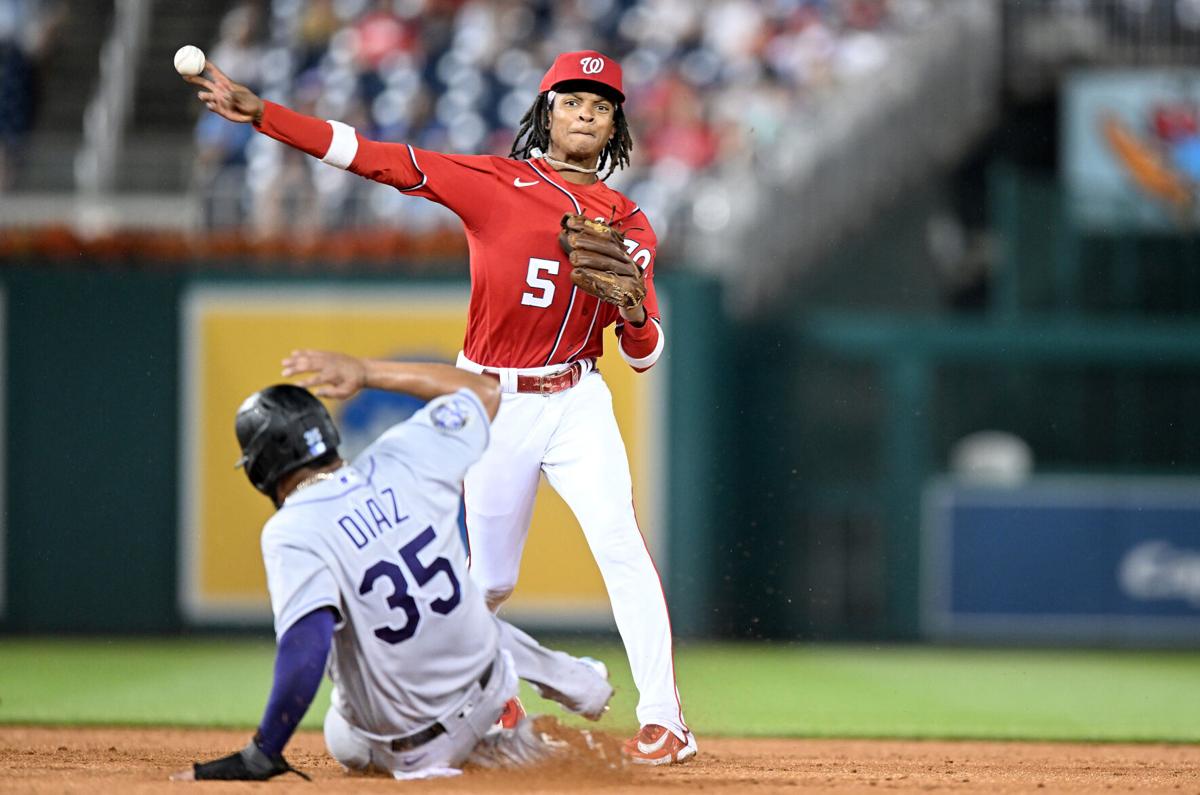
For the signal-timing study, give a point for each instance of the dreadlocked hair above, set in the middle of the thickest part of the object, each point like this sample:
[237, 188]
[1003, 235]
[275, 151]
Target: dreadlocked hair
[534, 133]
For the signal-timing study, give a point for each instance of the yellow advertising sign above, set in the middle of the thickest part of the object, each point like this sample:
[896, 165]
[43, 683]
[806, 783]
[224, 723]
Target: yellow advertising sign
[234, 339]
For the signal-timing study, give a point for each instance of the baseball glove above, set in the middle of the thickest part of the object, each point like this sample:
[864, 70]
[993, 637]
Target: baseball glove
[600, 265]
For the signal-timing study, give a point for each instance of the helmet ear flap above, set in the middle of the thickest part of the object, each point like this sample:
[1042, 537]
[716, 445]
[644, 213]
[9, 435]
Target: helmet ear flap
[256, 468]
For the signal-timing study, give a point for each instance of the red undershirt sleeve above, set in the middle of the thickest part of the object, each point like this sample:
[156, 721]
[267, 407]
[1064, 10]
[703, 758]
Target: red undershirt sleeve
[640, 346]
[309, 135]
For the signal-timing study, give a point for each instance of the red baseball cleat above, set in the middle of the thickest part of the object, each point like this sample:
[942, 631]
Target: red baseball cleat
[657, 745]
[512, 714]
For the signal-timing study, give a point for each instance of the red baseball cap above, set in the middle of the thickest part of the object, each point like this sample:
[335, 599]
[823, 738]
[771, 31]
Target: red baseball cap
[588, 65]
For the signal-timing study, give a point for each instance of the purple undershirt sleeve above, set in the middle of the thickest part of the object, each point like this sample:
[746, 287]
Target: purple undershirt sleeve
[299, 666]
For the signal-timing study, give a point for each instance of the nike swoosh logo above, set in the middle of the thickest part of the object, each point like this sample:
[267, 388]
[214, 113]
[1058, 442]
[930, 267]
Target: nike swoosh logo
[409, 761]
[518, 183]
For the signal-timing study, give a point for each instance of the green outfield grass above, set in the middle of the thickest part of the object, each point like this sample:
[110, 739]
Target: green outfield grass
[737, 689]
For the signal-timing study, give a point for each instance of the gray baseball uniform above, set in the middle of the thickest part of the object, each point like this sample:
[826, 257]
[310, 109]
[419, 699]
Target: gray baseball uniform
[421, 668]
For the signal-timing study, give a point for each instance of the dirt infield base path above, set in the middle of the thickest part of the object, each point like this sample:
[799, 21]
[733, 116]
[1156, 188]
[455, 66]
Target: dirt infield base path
[139, 760]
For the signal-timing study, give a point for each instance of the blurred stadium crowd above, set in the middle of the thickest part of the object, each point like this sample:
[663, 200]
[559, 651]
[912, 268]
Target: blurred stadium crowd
[707, 81]
[27, 30]
[723, 96]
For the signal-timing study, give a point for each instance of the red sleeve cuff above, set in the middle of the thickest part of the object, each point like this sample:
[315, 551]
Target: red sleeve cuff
[646, 331]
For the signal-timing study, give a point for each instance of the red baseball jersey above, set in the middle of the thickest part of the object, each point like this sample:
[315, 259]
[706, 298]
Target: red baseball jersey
[524, 310]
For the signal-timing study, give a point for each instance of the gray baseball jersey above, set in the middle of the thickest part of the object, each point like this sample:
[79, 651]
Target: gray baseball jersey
[379, 542]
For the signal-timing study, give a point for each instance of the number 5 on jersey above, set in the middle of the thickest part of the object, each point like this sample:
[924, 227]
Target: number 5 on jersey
[538, 266]
[534, 279]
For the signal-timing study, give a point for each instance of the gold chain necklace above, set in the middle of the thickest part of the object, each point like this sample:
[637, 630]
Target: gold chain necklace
[314, 478]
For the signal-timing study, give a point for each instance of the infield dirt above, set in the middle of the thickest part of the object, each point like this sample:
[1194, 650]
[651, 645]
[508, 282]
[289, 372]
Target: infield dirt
[41, 759]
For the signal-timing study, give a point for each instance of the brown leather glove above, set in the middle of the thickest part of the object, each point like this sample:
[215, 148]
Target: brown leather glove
[600, 265]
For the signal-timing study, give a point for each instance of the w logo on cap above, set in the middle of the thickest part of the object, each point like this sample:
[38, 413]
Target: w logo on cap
[588, 65]
[591, 65]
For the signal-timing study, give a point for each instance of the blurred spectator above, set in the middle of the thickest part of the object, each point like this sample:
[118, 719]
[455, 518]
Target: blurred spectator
[380, 35]
[680, 132]
[709, 82]
[239, 48]
[221, 145]
[865, 14]
[27, 29]
[317, 26]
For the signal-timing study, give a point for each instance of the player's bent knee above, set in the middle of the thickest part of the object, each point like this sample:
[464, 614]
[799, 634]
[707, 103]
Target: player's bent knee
[497, 596]
[350, 750]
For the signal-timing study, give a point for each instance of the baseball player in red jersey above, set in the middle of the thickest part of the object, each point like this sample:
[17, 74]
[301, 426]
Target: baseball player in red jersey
[531, 328]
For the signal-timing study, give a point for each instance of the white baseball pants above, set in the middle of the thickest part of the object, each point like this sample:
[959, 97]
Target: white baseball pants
[466, 724]
[573, 437]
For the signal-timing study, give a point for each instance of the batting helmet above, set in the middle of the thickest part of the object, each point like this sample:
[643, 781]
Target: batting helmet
[280, 429]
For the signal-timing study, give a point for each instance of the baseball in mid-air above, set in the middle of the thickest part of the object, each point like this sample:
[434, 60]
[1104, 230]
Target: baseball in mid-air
[189, 60]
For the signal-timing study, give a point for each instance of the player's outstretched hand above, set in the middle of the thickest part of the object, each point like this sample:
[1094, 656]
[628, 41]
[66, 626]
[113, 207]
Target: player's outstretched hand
[249, 764]
[334, 375]
[225, 97]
